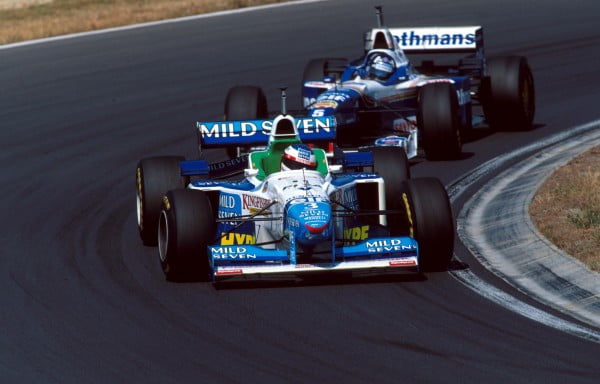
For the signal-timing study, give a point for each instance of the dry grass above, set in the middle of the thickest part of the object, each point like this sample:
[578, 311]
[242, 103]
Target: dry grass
[50, 18]
[566, 209]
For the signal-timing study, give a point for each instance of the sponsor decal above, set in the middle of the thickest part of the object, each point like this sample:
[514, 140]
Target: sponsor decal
[232, 129]
[335, 97]
[244, 129]
[314, 125]
[228, 201]
[310, 215]
[356, 233]
[222, 272]
[324, 104]
[310, 221]
[314, 214]
[416, 39]
[437, 38]
[350, 196]
[402, 263]
[346, 196]
[237, 239]
[391, 141]
[231, 163]
[206, 183]
[231, 253]
[388, 245]
[304, 266]
[229, 206]
[256, 202]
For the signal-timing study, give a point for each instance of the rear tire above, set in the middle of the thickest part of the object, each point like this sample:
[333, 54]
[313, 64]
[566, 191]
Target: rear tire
[439, 122]
[154, 177]
[245, 102]
[317, 69]
[508, 94]
[186, 228]
[430, 221]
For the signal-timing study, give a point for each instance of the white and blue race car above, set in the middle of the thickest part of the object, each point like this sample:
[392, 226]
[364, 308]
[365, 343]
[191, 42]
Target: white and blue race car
[382, 99]
[294, 211]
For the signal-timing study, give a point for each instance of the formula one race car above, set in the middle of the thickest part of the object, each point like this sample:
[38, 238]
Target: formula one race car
[382, 99]
[293, 212]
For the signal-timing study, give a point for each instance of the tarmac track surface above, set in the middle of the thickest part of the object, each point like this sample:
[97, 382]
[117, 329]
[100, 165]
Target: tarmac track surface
[84, 301]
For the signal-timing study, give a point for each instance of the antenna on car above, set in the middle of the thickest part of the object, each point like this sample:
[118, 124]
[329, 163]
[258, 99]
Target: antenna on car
[379, 14]
[283, 97]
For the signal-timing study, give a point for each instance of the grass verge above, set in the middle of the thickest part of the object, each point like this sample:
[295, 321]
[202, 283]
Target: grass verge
[22, 20]
[566, 208]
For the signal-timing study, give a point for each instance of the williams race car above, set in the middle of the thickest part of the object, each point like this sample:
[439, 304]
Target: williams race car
[382, 99]
[293, 212]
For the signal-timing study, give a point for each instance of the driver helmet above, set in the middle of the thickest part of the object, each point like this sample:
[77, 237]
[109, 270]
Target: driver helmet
[298, 156]
[380, 67]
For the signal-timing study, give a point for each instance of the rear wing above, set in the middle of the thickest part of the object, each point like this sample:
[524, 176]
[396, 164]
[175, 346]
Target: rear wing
[439, 39]
[465, 41]
[257, 132]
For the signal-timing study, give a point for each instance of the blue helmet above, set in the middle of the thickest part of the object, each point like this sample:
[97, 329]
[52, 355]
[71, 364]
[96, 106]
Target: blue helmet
[380, 67]
[298, 156]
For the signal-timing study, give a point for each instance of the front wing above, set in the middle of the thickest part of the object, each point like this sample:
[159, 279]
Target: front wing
[377, 254]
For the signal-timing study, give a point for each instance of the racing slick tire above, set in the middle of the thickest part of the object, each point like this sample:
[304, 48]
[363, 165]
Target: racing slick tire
[430, 221]
[439, 121]
[508, 94]
[245, 102]
[154, 177]
[186, 227]
[391, 163]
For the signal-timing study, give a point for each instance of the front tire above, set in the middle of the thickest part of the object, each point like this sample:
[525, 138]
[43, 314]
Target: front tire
[439, 122]
[430, 221]
[391, 163]
[154, 177]
[186, 228]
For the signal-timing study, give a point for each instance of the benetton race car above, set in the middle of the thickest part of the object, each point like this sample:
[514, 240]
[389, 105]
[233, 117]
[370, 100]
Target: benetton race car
[293, 212]
[382, 99]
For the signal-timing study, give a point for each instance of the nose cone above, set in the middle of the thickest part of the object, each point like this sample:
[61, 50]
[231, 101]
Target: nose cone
[309, 222]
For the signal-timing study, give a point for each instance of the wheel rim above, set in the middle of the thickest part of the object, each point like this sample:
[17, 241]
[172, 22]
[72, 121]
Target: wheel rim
[138, 204]
[163, 236]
